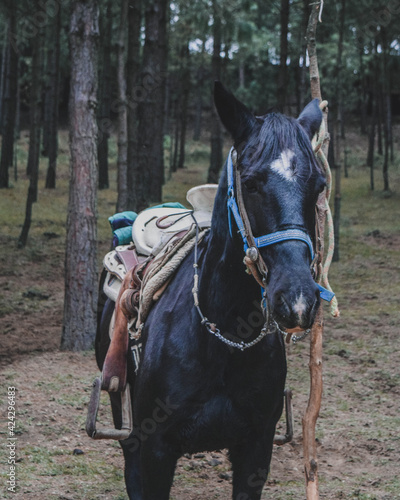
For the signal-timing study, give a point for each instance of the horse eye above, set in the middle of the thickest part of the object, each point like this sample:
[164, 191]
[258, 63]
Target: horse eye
[251, 185]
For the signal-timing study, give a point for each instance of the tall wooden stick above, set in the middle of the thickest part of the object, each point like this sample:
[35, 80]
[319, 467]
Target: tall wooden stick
[315, 364]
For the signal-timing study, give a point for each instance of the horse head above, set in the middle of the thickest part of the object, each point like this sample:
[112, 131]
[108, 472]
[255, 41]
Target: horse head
[280, 181]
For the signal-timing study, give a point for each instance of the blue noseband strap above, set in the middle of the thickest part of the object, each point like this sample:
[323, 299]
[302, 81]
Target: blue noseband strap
[267, 239]
[287, 234]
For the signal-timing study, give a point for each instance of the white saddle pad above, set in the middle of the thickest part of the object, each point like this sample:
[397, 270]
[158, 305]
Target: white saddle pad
[150, 239]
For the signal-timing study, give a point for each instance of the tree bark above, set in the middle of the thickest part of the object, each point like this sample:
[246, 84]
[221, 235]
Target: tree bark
[151, 120]
[282, 78]
[216, 158]
[9, 101]
[80, 303]
[134, 95]
[103, 119]
[122, 161]
[52, 101]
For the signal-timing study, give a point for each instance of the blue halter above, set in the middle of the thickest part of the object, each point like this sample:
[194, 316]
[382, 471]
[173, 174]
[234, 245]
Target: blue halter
[267, 239]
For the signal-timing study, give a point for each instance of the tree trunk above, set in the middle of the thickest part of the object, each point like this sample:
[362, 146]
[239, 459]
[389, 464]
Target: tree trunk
[103, 119]
[216, 158]
[80, 303]
[199, 97]
[122, 161]
[17, 134]
[390, 125]
[302, 69]
[386, 109]
[380, 109]
[134, 95]
[3, 70]
[32, 167]
[177, 134]
[339, 131]
[52, 100]
[9, 101]
[385, 169]
[371, 141]
[151, 120]
[34, 136]
[282, 77]
[185, 79]
[363, 93]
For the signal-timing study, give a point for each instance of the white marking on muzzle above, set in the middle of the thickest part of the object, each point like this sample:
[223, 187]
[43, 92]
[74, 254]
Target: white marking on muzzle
[283, 165]
[300, 306]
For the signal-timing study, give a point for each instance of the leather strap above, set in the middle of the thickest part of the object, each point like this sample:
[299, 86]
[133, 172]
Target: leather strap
[115, 364]
[261, 265]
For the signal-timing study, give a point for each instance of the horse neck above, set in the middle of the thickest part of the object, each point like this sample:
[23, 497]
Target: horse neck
[224, 284]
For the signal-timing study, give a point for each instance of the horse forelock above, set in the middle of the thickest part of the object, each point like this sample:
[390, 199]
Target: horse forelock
[278, 137]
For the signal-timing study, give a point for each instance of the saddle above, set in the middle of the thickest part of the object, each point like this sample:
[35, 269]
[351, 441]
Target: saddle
[137, 275]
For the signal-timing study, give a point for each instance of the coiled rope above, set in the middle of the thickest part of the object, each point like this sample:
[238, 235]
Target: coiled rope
[322, 278]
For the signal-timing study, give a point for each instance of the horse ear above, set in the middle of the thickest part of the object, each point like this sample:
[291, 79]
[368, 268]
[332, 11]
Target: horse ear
[310, 118]
[235, 116]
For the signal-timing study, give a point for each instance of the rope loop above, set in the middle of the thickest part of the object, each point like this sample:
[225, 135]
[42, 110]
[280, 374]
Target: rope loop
[317, 142]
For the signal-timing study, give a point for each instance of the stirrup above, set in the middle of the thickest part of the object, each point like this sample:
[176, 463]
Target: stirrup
[126, 409]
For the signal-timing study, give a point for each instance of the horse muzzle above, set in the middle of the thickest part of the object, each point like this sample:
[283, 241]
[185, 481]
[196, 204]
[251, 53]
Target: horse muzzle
[295, 309]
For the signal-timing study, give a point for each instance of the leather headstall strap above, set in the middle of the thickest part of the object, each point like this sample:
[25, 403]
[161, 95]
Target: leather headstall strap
[253, 259]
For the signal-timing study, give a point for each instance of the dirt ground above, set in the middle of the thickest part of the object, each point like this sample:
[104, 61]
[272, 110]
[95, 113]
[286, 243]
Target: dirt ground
[358, 432]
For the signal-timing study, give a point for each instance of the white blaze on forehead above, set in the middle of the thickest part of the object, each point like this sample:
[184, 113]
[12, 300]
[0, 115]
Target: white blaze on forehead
[300, 306]
[283, 165]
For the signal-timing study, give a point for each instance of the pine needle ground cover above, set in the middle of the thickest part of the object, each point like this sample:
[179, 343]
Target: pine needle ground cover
[357, 432]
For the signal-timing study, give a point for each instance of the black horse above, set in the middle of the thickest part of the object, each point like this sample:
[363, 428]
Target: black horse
[201, 387]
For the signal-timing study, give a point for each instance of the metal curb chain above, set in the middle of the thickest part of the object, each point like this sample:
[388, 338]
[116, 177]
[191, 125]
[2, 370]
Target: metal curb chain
[238, 345]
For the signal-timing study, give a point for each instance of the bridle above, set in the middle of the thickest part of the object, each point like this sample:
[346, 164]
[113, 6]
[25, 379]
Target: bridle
[253, 259]
[251, 244]
[237, 209]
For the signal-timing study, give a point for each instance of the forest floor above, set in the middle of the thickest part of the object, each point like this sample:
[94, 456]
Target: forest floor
[358, 432]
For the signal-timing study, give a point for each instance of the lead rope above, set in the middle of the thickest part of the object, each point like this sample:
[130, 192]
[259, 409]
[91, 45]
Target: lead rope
[322, 276]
